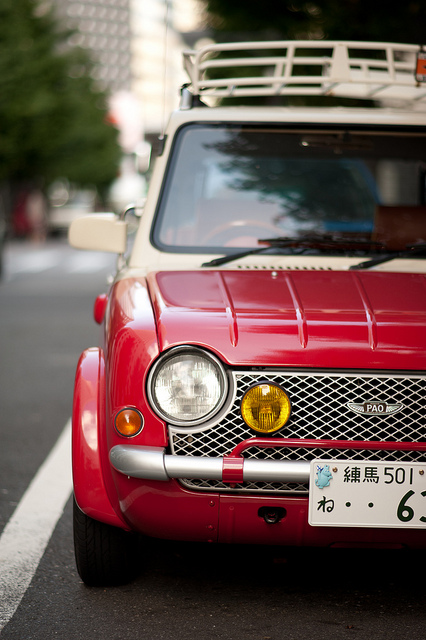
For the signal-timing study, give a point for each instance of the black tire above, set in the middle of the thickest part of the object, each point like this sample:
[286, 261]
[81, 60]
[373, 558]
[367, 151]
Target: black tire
[104, 555]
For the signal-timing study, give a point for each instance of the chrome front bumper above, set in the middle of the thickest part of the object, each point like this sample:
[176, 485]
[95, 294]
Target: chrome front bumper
[152, 463]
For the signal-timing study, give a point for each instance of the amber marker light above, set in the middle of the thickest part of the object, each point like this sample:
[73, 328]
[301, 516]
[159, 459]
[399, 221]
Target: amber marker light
[265, 408]
[128, 422]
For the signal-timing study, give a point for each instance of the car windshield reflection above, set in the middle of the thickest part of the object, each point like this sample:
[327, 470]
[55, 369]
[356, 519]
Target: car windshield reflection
[229, 186]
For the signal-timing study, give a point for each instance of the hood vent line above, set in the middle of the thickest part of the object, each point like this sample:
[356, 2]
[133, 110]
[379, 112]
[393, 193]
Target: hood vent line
[371, 318]
[300, 312]
[230, 310]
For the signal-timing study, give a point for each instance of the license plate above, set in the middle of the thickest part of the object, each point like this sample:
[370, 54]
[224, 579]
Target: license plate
[367, 494]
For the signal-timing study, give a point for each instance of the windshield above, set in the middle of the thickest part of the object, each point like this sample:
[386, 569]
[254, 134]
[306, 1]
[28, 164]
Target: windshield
[228, 186]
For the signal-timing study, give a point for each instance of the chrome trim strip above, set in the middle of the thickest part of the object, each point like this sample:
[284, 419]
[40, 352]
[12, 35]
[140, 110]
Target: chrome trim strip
[193, 467]
[275, 470]
[152, 463]
[139, 462]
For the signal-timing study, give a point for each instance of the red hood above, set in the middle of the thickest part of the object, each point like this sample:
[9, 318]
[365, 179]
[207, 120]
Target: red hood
[298, 318]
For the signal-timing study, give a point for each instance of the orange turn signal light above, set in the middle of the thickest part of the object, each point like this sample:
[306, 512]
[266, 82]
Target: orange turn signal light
[129, 422]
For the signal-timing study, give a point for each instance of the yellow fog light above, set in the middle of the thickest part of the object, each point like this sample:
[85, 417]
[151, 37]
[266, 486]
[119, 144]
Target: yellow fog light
[128, 422]
[265, 408]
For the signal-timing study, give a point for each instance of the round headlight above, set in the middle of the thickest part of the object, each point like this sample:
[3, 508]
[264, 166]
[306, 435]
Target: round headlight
[187, 386]
[265, 408]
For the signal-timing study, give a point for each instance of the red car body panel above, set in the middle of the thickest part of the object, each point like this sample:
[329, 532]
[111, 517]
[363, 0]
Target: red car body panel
[130, 347]
[275, 319]
[240, 522]
[88, 418]
[296, 319]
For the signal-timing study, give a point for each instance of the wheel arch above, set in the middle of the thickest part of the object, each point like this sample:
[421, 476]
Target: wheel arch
[88, 418]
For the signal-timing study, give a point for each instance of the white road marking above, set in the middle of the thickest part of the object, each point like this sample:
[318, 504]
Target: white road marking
[26, 535]
[22, 259]
[36, 261]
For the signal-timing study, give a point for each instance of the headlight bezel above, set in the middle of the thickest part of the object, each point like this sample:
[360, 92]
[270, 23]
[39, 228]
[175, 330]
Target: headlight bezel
[165, 358]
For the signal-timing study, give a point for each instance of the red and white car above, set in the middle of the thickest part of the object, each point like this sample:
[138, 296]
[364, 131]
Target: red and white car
[261, 372]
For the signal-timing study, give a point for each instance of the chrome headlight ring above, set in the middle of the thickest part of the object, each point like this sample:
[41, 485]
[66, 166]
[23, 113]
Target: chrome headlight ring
[187, 386]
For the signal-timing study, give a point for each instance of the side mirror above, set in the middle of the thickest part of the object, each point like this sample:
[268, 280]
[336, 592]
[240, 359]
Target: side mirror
[99, 232]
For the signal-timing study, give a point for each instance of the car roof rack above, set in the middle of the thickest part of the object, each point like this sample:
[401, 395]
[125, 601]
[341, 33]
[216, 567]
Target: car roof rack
[361, 70]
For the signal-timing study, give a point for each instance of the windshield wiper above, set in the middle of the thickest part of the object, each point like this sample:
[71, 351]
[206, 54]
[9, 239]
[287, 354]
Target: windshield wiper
[216, 262]
[308, 242]
[412, 250]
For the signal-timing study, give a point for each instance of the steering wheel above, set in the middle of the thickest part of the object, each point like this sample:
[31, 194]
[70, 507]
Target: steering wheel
[228, 230]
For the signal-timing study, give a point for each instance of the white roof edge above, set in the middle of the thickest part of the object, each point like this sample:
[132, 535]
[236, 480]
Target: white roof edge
[363, 70]
[284, 116]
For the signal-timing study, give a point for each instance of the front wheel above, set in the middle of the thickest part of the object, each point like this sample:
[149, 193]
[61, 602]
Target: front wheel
[104, 555]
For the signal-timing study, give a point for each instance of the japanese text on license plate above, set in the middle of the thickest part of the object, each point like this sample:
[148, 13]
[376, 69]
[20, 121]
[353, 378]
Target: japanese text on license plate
[367, 494]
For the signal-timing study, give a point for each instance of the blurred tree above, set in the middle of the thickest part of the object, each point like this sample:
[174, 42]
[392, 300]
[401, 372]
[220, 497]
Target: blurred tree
[253, 20]
[53, 120]
[330, 19]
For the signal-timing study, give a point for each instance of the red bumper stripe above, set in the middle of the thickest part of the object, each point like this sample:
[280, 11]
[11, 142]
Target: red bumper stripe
[232, 470]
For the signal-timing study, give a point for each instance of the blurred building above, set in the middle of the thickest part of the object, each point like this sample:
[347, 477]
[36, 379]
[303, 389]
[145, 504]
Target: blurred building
[104, 28]
[136, 46]
[157, 71]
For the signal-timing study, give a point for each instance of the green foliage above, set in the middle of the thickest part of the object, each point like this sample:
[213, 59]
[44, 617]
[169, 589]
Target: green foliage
[330, 19]
[52, 119]
[254, 20]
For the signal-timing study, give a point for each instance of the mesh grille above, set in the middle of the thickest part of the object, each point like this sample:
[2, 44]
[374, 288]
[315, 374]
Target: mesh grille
[319, 411]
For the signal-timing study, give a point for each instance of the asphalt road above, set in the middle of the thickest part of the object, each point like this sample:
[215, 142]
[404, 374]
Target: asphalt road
[184, 591]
